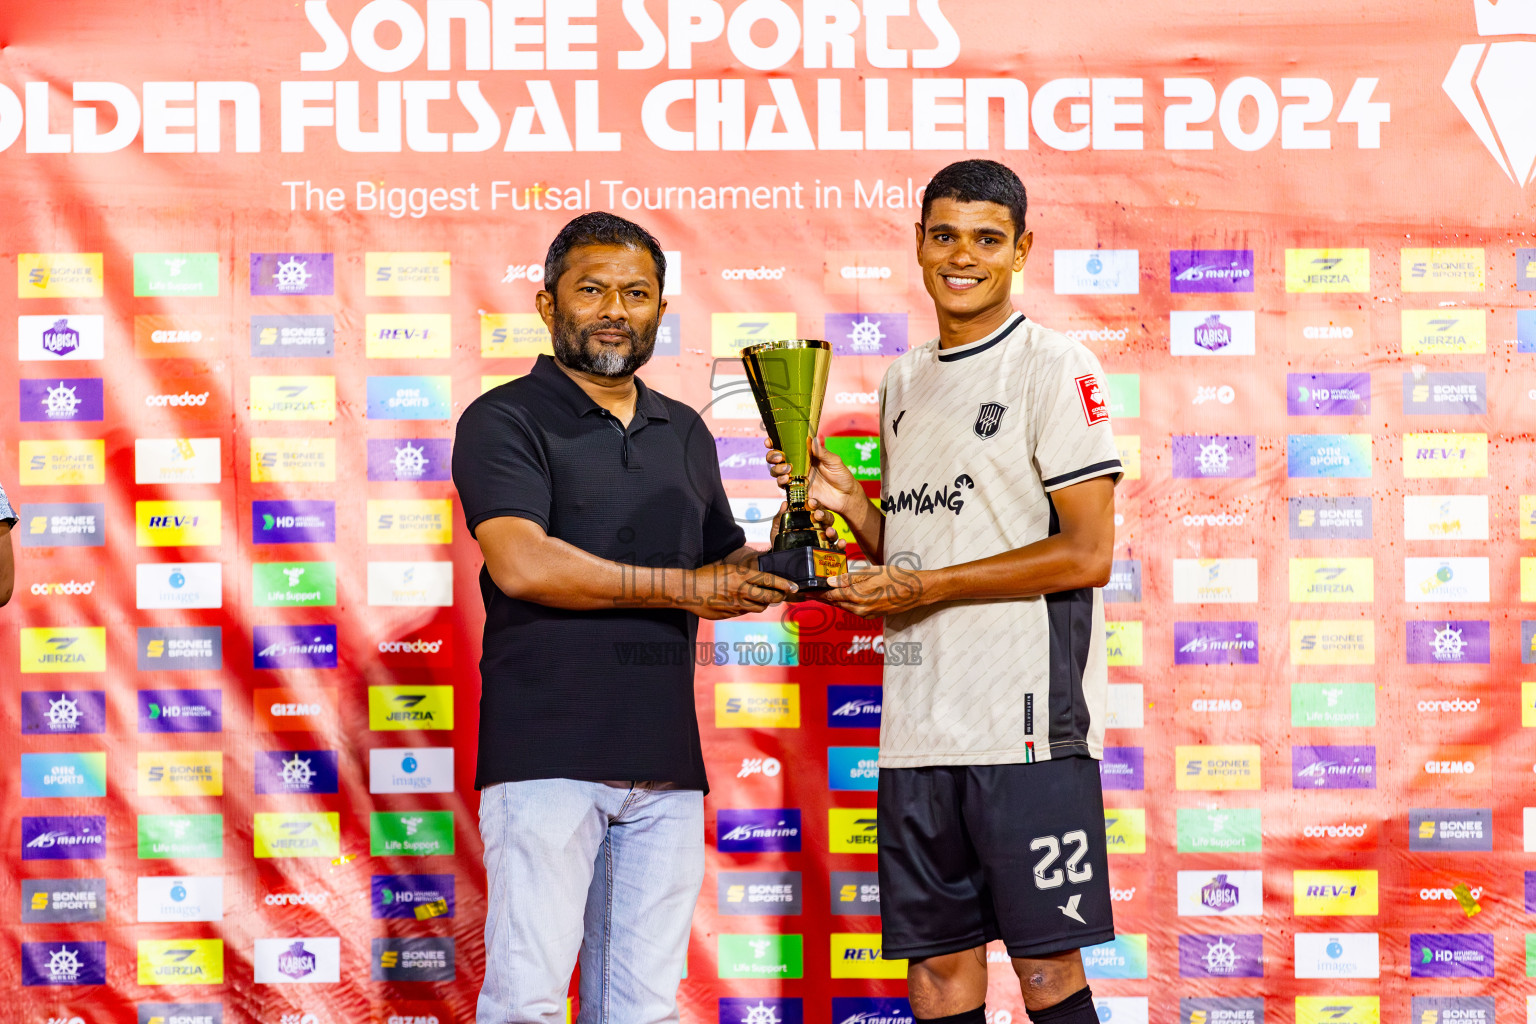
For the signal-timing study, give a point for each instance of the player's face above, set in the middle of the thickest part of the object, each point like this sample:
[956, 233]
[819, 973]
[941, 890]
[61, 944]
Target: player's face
[968, 254]
[605, 310]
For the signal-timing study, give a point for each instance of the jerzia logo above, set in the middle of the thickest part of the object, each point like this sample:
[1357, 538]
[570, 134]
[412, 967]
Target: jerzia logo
[1490, 83]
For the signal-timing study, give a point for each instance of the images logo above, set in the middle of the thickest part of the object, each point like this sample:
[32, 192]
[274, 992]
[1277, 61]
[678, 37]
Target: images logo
[1215, 643]
[867, 334]
[293, 398]
[406, 273]
[410, 770]
[180, 648]
[1213, 456]
[293, 273]
[1445, 579]
[181, 961]
[61, 400]
[765, 893]
[293, 460]
[408, 335]
[1098, 272]
[61, 525]
[181, 773]
[1221, 956]
[59, 275]
[293, 337]
[1217, 767]
[1338, 955]
[297, 835]
[1210, 270]
[409, 398]
[159, 524]
[1327, 270]
[861, 955]
[757, 705]
[63, 649]
[176, 274]
[62, 463]
[410, 459]
[758, 831]
[293, 522]
[181, 710]
[1335, 893]
[181, 898]
[296, 771]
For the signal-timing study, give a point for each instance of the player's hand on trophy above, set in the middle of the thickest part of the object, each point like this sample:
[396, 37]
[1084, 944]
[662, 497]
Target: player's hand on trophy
[821, 517]
[723, 590]
[875, 591]
[832, 484]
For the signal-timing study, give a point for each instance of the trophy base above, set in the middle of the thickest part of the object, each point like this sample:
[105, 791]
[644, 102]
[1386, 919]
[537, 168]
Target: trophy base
[808, 567]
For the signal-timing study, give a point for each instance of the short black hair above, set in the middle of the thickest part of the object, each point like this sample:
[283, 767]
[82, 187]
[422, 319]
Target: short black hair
[598, 228]
[980, 181]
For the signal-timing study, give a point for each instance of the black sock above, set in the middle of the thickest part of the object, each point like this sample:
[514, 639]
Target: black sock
[1077, 1008]
[976, 1016]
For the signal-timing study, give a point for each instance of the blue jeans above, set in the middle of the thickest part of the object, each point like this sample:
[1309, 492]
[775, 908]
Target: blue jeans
[609, 872]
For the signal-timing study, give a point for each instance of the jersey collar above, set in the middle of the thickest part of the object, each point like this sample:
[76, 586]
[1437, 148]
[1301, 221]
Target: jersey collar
[950, 355]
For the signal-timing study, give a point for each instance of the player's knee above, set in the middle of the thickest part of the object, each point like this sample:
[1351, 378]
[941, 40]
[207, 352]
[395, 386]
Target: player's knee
[1074, 1007]
[1046, 983]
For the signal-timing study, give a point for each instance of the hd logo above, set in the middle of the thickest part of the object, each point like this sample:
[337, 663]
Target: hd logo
[410, 707]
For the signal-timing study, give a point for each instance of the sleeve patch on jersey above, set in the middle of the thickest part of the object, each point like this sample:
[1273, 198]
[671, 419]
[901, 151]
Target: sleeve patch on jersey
[1095, 407]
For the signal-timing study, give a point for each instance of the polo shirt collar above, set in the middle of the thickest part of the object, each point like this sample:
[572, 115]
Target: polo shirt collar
[647, 402]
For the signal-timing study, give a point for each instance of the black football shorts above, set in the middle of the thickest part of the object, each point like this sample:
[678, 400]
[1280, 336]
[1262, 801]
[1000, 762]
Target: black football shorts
[973, 853]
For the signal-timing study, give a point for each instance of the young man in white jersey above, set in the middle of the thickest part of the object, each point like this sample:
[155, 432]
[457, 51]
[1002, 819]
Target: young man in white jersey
[995, 531]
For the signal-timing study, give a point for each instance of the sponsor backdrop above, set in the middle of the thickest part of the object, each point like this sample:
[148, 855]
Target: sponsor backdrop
[264, 256]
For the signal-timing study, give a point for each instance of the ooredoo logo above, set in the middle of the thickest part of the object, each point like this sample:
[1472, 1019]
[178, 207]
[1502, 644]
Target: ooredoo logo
[1490, 83]
[417, 649]
[752, 274]
[70, 588]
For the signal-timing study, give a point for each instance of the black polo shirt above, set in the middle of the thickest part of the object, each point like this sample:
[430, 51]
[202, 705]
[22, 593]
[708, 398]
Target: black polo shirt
[592, 695]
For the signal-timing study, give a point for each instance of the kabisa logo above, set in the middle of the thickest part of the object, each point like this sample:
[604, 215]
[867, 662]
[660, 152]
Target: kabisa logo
[757, 831]
[1220, 893]
[1489, 83]
[303, 960]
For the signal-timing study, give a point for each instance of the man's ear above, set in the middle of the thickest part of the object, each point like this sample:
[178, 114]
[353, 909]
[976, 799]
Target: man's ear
[1021, 249]
[919, 227]
[544, 302]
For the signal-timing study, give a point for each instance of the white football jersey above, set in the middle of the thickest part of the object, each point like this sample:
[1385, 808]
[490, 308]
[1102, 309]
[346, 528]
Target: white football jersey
[973, 439]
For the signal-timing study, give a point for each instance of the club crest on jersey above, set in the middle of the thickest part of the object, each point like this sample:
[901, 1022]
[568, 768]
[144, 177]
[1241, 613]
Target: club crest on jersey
[988, 419]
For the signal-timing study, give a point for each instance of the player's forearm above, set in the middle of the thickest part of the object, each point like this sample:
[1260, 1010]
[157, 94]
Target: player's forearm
[867, 524]
[1048, 566]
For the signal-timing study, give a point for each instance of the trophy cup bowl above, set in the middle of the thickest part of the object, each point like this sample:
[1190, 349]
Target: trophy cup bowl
[789, 382]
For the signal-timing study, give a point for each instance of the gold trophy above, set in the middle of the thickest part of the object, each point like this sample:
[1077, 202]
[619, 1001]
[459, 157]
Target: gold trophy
[789, 381]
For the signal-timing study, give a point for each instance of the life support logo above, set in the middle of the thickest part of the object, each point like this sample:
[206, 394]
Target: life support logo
[1490, 83]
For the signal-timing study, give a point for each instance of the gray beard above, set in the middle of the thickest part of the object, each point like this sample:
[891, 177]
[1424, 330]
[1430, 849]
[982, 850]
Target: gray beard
[573, 350]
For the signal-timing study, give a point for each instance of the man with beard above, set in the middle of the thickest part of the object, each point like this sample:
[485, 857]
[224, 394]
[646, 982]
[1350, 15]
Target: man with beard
[598, 506]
